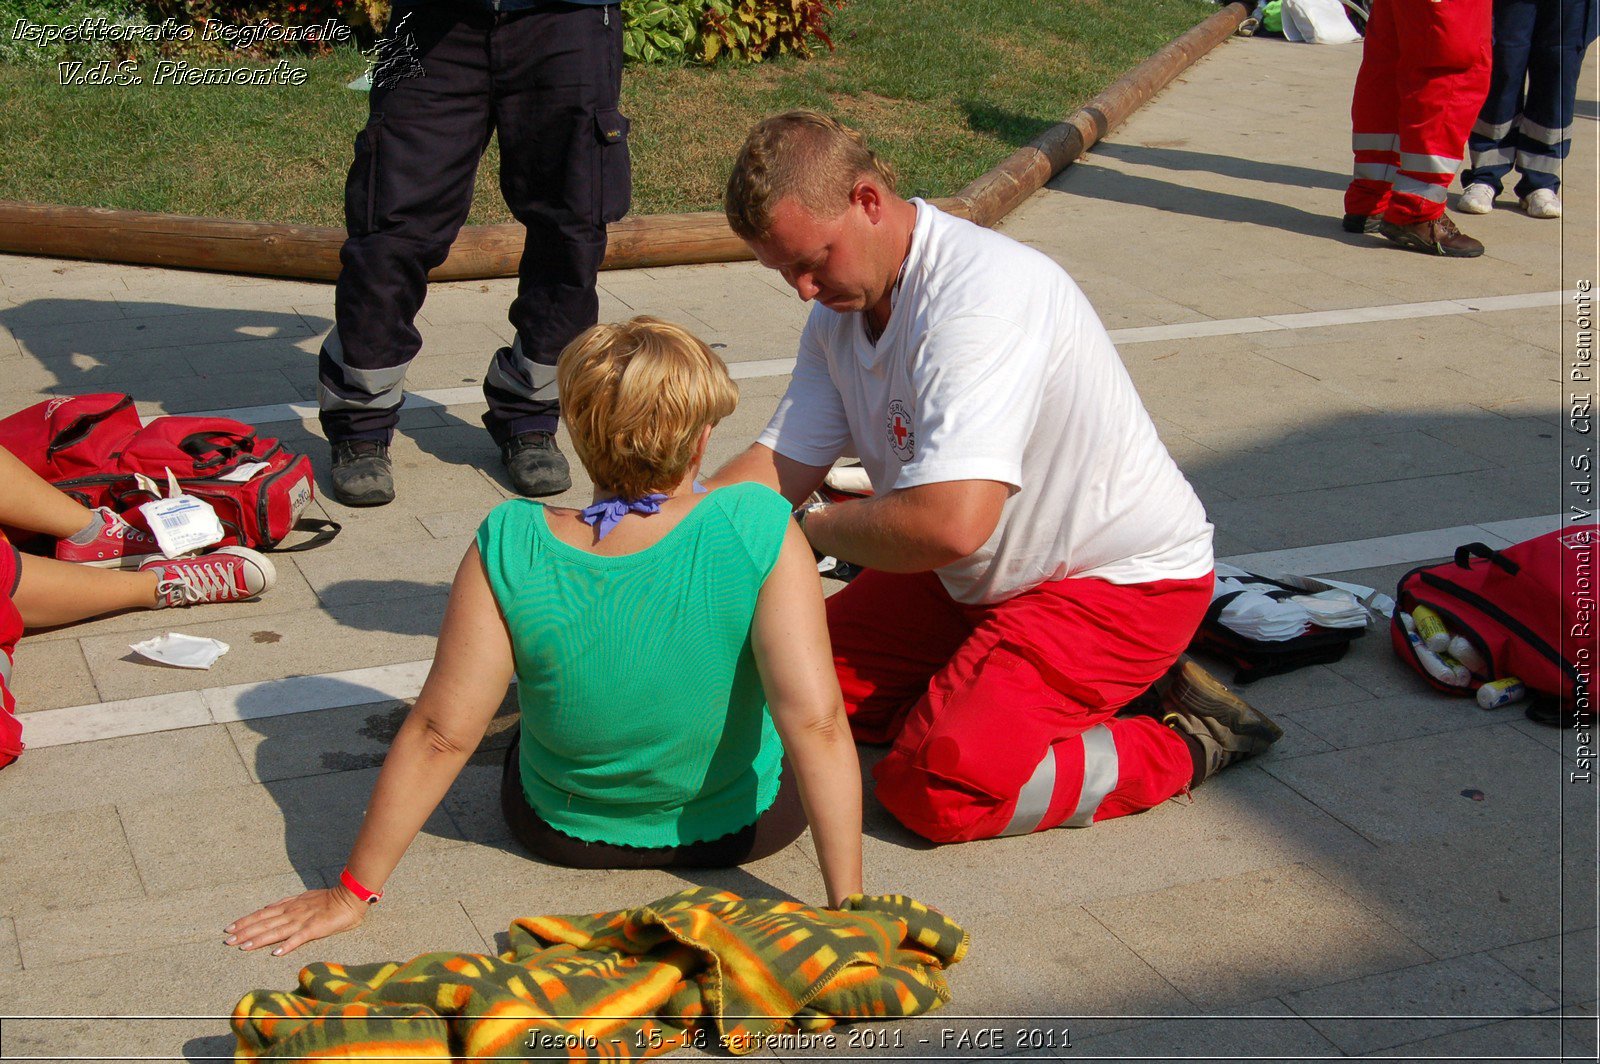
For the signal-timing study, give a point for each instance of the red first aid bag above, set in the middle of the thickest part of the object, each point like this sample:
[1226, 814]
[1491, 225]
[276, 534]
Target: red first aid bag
[1529, 611]
[94, 448]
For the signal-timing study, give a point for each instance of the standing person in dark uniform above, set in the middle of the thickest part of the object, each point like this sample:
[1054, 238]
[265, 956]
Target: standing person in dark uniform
[546, 76]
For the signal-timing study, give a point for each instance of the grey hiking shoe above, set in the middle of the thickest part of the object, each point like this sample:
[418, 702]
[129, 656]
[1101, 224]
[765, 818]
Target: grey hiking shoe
[1197, 704]
[535, 464]
[362, 473]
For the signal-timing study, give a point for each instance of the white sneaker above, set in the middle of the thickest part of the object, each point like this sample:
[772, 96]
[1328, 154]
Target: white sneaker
[1542, 203]
[1476, 198]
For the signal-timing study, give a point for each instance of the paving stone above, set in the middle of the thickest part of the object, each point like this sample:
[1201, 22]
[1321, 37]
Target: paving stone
[457, 525]
[199, 983]
[1562, 967]
[1442, 996]
[109, 929]
[1339, 514]
[47, 674]
[1533, 1038]
[429, 565]
[403, 627]
[1064, 966]
[151, 331]
[1342, 462]
[85, 776]
[1260, 1030]
[1457, 895]
[310, 744]
[1415, 788]
[54, 860]
[1381, 720]
[223, 835]
[1287, 928]
[10, 957]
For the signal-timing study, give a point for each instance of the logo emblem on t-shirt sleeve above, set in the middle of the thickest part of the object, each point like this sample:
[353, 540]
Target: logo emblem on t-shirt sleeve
[902, 434]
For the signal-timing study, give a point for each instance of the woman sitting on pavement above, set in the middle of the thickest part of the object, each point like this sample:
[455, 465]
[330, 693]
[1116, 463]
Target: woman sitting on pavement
[649, 634]
[45, 592]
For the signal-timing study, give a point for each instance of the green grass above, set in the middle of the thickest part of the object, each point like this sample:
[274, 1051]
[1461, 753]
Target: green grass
[945, 88]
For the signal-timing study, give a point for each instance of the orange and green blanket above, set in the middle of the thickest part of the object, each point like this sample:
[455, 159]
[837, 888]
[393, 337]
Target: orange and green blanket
[701, 968]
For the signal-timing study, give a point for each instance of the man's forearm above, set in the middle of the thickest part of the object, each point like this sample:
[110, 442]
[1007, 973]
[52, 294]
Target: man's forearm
[909, 530]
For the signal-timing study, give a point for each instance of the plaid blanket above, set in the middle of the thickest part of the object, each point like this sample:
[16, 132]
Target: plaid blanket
[700, 968]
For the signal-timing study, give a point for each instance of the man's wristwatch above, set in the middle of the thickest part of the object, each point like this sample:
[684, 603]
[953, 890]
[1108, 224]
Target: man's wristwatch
[805, 511]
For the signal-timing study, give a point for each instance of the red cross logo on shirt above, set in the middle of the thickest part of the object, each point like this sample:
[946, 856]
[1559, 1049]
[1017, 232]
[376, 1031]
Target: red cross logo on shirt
[902, 432]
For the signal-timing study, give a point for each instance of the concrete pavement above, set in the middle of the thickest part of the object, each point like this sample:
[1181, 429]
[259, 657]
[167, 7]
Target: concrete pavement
[1338, 403]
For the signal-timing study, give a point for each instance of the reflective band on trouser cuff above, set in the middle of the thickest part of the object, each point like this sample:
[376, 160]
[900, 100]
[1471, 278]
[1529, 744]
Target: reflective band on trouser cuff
[1375, 142]
[1375, 172]
[524, 377]
[1410, 186]
[358, 389]
[1428, 164]
[1543, 134]
[1542, 164]
[1492, 130]
[1492, 157]
[1099, 775]
[1033, 801]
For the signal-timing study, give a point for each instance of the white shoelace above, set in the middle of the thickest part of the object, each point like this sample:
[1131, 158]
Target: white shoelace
[207, 581]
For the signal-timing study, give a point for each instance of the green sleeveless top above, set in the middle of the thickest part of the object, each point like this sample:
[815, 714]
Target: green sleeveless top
[643, 718]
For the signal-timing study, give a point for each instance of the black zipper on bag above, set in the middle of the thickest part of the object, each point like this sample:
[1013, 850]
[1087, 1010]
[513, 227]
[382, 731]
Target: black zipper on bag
[1489, 609]
[80, 429]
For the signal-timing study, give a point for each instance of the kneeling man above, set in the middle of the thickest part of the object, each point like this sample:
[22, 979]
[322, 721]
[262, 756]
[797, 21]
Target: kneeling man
[1035, 560]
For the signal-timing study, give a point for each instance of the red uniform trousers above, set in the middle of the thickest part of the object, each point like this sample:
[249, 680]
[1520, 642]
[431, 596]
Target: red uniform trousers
[1424, 75]
[10, 632]
[1001, 716]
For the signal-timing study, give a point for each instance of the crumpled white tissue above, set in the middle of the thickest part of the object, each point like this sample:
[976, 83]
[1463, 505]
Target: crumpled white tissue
[184, 651]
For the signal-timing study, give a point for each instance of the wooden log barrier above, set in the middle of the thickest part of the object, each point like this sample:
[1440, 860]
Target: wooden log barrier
[311, 252]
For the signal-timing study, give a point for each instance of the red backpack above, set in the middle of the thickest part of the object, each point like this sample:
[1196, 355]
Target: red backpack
[93, 446]
[1529, 611]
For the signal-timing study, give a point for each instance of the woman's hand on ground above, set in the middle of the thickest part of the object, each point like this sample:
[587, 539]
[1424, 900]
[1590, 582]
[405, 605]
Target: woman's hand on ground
[293, 922]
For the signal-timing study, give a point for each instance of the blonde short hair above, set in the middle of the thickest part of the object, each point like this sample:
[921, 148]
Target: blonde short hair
[802, 154]
[635, 396]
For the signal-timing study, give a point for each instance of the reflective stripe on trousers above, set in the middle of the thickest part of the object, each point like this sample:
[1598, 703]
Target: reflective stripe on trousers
[1099, 779]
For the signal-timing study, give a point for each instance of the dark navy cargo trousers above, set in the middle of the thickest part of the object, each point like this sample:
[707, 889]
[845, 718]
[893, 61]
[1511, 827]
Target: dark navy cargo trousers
[546, 80]
[1526, 121]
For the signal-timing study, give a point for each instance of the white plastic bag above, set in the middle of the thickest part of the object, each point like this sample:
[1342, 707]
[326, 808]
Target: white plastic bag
[1317, 22]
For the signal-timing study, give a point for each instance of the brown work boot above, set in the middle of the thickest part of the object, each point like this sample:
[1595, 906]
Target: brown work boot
[1226, 728]
[1438, 236]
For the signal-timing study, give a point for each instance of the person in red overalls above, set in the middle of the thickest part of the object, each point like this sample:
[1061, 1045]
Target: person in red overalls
[1424, 75]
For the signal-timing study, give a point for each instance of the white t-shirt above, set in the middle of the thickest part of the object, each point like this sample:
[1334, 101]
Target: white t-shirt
[995, 367]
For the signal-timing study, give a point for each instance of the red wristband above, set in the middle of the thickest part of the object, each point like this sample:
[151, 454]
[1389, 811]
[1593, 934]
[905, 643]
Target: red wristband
[350, 883]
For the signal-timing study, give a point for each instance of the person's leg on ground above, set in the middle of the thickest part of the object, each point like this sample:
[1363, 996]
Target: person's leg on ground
[91, 537]
[1442, 80]
[1019, 734]
[406, 197]
[564, 173]
[1374, 123]
[11, 744]
[51, 592]
[1491, 145]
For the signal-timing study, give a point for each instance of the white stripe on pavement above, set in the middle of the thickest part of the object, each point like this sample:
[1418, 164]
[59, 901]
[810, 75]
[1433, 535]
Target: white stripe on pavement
[382, 683]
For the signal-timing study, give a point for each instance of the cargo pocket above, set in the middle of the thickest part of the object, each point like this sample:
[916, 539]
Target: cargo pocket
[361, 187]
[615, 170]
